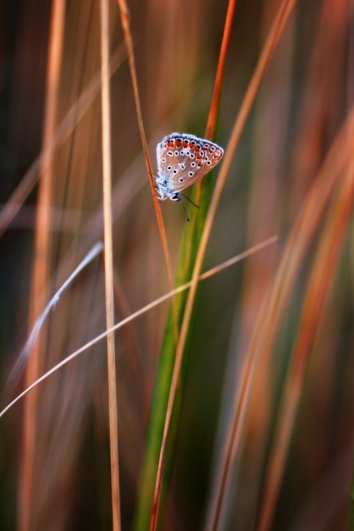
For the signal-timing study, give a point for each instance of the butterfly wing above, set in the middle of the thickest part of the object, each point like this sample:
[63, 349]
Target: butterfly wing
[183, 159]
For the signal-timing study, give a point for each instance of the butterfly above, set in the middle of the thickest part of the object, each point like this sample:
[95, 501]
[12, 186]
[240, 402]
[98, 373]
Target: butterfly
[182, 160]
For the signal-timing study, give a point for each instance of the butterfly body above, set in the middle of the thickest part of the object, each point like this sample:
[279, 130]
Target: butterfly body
[183, 159]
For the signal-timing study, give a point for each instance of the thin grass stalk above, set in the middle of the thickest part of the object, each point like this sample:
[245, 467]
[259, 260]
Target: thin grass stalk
[314, 307]
[188, 251]
[108, 263]
[138, 313]
[323, 76]
[43, 317]
[40, 273]
[303, 230]
[125, 21]
[275, 33]
[60, 134]
[214, 106]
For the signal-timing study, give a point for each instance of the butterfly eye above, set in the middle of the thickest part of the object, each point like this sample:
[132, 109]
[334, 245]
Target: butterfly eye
[181, 179]
[191, 173]
[176, 153]
[169, 168]
[163, 159]
[175, 171]
[193, 164]
[208, 162]
[192, 156]
[170, 153]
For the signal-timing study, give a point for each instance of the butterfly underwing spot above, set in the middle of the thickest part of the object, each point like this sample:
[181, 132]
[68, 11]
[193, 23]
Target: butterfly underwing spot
[182, 160]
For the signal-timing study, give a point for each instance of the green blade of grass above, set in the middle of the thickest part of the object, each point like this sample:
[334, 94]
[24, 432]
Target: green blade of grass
[190, 240]
[189, 247]
[175, 363]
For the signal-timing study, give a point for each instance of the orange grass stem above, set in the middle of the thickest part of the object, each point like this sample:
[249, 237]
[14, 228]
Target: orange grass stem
[41, 264]
[108, 263]
[59, 135]
[303, 230]
[215, 99]
[209, 133]
[319, 285]
[125, 20]
[275, 33]
[214, 105]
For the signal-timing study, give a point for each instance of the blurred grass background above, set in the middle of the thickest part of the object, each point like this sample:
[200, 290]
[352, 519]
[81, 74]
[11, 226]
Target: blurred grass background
[305, 99]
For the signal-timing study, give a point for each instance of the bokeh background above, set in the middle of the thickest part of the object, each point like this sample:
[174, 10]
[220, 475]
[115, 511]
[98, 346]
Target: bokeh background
[305, 98]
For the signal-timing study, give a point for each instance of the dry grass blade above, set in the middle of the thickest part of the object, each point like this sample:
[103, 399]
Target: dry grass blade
[257, 389]
[304, 227]
[213, 111]
[275, 33]
[108, 263]
[210, 128]
[148, 307]
[38, 325]
[125, 19]
[196, 228]
[42, 254]
[60, 134]
[314, 306]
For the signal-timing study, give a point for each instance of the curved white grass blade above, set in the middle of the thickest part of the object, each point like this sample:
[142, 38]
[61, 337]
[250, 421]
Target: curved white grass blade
[211, 272]
[91, 255]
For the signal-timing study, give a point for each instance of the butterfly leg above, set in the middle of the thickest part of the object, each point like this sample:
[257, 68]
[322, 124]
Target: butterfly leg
[160, 193]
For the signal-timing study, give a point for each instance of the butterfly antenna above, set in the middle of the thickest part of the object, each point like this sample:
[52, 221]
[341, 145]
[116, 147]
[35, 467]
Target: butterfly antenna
[190, 201]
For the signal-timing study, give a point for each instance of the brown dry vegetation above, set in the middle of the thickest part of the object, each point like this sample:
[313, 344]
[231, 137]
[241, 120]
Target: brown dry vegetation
[259, 431]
